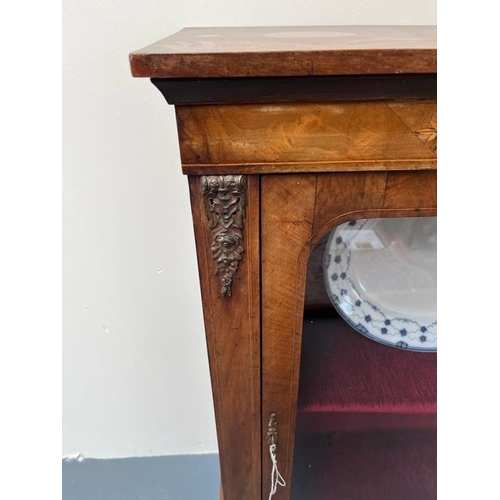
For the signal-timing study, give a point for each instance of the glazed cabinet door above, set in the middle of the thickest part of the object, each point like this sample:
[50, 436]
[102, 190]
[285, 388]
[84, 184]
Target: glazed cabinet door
[339, 420]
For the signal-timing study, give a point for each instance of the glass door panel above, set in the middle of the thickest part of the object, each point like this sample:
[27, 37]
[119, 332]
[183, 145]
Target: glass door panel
[366, 421]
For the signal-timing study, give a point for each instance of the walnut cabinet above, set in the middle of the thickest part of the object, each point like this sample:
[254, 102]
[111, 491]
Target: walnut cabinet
[284, 134]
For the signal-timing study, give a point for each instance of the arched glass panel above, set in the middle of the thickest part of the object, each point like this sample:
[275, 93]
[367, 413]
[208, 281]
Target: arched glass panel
[366, 421]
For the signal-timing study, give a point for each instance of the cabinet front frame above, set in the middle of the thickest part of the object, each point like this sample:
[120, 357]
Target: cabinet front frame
[254, 335]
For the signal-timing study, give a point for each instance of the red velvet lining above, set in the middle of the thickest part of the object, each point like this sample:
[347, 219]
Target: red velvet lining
[348, 381]
[389, 465]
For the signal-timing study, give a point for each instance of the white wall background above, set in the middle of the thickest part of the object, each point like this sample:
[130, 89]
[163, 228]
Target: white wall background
[135, 371]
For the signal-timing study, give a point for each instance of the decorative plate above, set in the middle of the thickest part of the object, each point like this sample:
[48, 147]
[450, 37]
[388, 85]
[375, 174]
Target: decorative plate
[380, 275]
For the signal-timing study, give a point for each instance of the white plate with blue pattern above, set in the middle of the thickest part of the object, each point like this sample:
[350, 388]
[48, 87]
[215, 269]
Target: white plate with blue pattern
[380, 275]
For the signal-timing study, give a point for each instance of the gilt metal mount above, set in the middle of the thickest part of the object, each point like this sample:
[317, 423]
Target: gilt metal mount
[272, 430]
[225, 200]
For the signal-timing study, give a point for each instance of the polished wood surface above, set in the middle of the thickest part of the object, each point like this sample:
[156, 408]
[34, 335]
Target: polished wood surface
[288, 51]
[232, 326]
[287, 217]
[309, 207]
[306, 137]
[328, 124]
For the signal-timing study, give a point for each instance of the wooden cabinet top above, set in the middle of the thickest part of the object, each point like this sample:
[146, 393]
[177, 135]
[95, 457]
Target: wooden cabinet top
[289, 51]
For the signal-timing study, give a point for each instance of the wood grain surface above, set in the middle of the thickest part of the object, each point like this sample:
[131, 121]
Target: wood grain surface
[288, 51]
[316, 297]
[287, 224]
[232, 327]
[301, 137]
